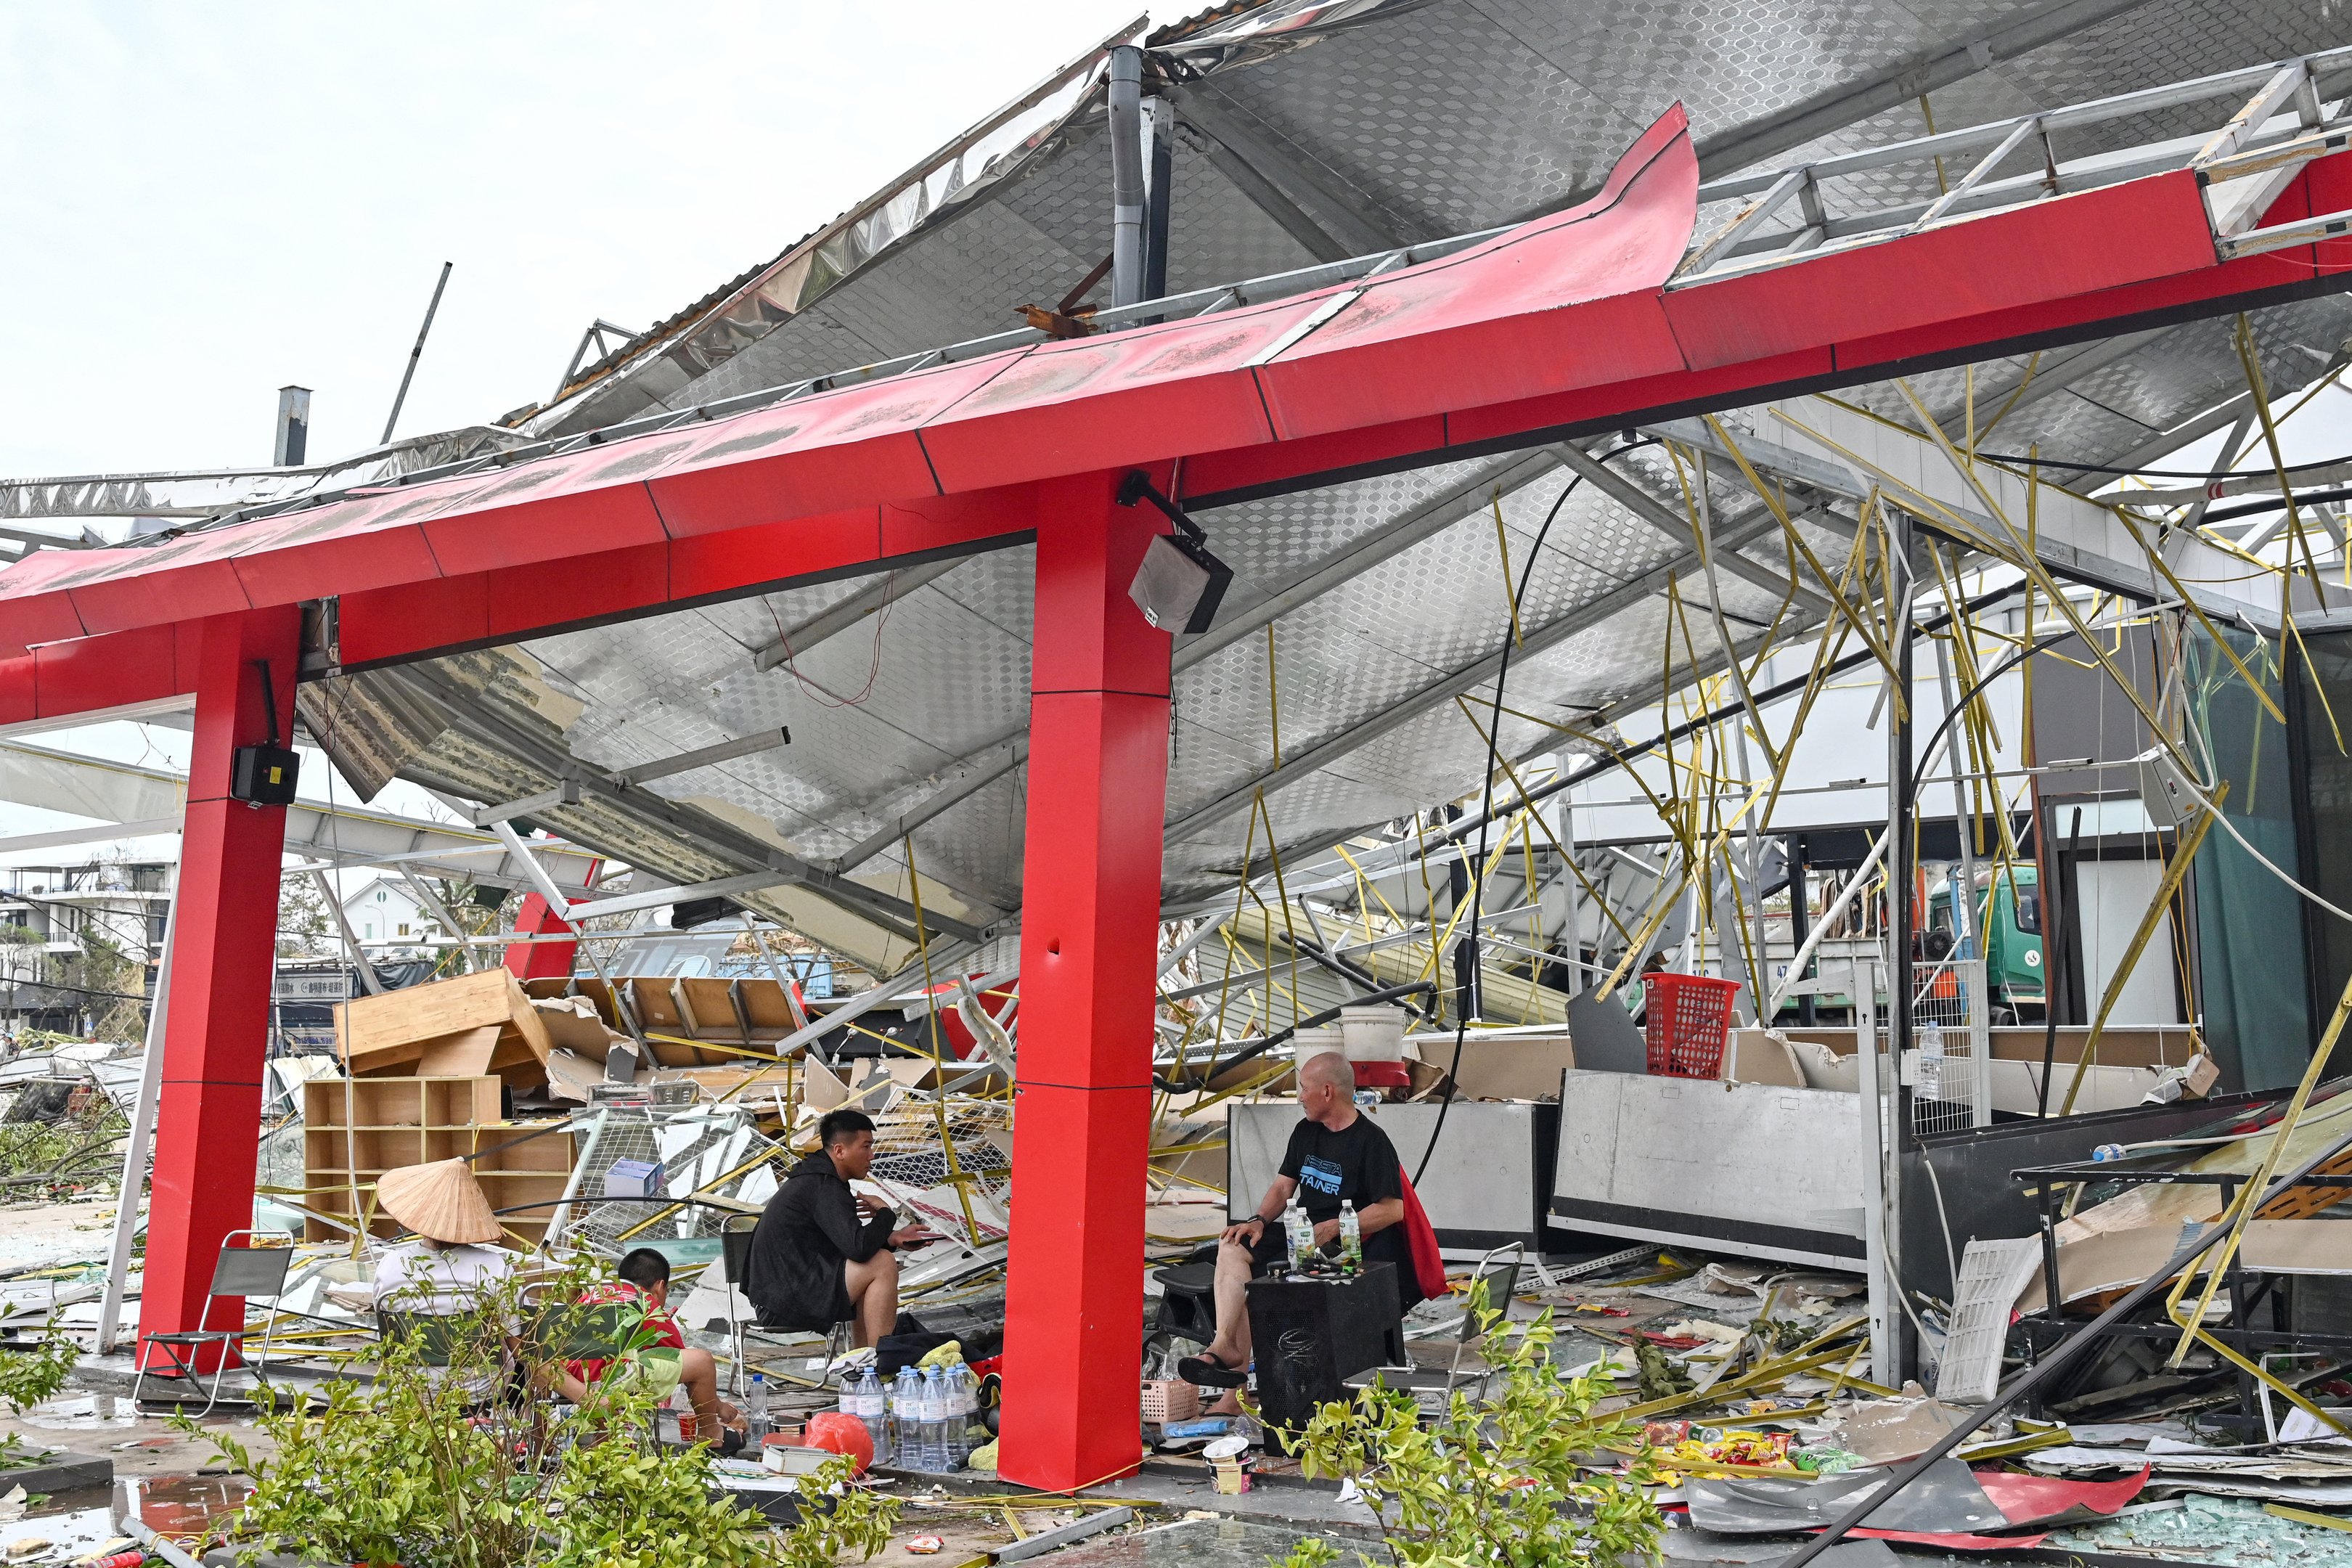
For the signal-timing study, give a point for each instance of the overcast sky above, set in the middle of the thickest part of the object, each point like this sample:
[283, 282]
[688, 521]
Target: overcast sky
[213, 200]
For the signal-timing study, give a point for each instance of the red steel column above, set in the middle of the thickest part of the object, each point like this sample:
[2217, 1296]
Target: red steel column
[216, 1020]
[540, 960]
[1089, 942]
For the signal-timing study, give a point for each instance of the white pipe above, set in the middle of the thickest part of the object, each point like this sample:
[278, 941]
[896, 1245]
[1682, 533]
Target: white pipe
[1821, 926]
[143, 1126]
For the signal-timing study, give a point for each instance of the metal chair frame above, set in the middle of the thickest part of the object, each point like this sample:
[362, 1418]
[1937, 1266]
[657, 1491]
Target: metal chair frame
[240, 1273]
[734, 1255]
[1502, 1280]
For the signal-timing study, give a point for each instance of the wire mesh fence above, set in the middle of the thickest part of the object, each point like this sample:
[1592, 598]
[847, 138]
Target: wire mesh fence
[1949, 1065]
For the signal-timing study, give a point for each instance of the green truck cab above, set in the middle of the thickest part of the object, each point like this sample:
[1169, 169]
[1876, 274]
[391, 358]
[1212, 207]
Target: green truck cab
[2009, 902]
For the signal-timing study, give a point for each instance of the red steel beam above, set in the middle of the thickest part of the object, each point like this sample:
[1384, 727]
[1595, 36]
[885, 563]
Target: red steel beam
[1567, 323]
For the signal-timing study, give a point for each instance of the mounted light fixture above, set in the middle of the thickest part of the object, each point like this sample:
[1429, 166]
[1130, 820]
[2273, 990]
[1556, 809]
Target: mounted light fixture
[1179, 585]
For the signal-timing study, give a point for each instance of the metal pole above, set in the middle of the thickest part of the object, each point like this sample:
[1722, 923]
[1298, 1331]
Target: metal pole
[368, 981]
[292, 442]
[415, 353]
[560, 906]
[1127, 195]
[1878, 1262]
[1902, 857]
[1159, 119]
[1575, 891]
[1801, 918]
[143, 1130]
[1967, 928]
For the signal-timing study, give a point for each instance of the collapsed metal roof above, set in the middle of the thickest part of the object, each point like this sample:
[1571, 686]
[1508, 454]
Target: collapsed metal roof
[1363, 609]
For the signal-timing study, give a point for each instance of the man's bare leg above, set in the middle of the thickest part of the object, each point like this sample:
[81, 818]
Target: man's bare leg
[1231, 1346]
[700, 1376]
[873, 1295]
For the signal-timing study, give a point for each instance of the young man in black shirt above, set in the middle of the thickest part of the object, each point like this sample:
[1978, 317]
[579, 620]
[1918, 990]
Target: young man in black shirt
[1335, 1155]
[823, 1253]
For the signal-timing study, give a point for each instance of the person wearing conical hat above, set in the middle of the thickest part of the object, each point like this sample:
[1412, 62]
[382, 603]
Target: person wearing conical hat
[455, 1255]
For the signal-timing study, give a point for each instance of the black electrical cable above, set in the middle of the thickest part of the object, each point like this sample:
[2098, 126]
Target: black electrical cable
[2206, 475]
[1487, 806]
[2274, 503]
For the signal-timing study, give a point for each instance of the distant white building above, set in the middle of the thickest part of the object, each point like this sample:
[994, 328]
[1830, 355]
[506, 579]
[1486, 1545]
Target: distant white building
[386, 910]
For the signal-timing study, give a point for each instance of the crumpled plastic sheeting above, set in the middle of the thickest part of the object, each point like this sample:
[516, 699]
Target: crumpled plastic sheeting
[1951, 1506]
[1945, 1500]
[2227, 1530]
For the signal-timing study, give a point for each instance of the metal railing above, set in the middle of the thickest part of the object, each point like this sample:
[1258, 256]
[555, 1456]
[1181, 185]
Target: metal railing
[2284, 122]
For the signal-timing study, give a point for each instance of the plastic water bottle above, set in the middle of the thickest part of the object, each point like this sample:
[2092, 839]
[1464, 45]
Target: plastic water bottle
[1300, 1230]
[873, 1409]
[1351, 1238]
[2106, 1152]
[935, 1421]
[907, 1438]
[1931, 1063]
[755, 1410]
[942, 1421]
[959, 1413]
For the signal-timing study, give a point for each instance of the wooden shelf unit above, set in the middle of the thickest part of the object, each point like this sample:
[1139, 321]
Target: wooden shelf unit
[384, 1123]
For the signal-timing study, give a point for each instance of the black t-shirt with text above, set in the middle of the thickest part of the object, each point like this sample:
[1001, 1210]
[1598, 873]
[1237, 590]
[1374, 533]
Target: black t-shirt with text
[1357, 1163]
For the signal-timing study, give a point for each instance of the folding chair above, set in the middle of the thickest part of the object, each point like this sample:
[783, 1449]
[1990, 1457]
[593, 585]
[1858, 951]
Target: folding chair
[242, 1271]
[1188, 1303]
[735, 1248]
[1430, 1387]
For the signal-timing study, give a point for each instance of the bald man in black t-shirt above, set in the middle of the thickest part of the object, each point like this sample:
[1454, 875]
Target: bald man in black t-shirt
[1335, 1155]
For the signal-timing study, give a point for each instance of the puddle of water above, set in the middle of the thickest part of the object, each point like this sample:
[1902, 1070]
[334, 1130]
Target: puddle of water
[81, 1413]
[76, 1532]
[182, 1505]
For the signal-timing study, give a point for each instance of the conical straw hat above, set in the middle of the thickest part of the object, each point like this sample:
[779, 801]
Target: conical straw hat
[440, 1201]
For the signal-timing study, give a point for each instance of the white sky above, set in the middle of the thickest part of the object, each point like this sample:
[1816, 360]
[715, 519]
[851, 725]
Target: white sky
[212, 201]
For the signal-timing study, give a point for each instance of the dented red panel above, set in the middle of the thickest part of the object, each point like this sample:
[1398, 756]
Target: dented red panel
[399, 621]
[1621, 402]
[1129, 397]
[941, 522]
[92, 674]
[705, 565]
[577, 504]
[188, 577]
[817, 454]
[18, 703]
[1565, 302]
[343, 547]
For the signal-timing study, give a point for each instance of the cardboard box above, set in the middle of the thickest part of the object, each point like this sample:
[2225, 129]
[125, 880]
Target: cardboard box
[634, 1179]
[1761, 1056]
[1517, 1067]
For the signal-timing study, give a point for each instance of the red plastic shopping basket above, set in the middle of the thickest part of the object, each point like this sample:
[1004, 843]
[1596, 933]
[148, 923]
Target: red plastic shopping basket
[1689, 1016]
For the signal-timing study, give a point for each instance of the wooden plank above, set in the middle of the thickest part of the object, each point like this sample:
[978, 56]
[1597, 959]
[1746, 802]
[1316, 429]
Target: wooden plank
[463, 1055]
[771, 1012]
[368, 1025]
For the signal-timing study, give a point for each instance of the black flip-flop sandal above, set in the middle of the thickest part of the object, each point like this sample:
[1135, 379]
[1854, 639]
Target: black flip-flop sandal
[1208, 1371]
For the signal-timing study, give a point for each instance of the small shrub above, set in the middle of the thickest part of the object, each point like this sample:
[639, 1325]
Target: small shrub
[436, 1467]
[1490, 1482]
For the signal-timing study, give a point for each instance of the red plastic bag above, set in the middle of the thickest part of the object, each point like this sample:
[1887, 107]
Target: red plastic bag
[839, 1433]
